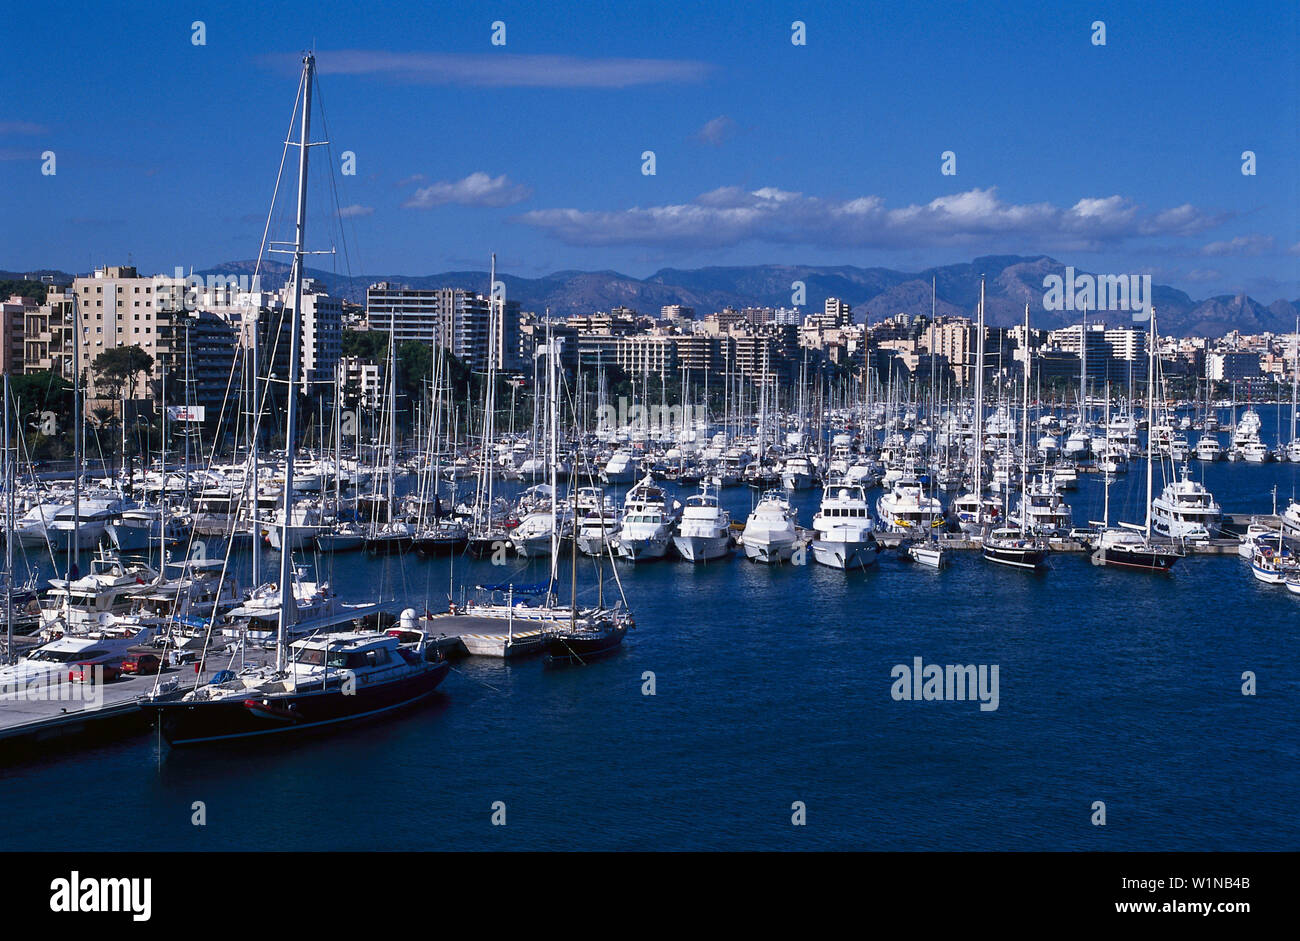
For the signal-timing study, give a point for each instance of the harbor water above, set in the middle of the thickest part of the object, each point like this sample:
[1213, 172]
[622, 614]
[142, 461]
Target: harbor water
[772, 689]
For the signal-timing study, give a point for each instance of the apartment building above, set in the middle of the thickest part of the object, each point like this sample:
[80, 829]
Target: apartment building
[456, 319]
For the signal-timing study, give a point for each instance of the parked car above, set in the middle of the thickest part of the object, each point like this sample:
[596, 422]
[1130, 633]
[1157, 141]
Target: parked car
[141, 664]
[85, 672]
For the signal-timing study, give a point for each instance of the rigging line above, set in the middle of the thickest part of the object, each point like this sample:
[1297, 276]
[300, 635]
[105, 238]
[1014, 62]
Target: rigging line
[476, 680]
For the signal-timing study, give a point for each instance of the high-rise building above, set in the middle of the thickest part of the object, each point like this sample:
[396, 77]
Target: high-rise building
[953, 339]
[13, 325]
[1232, 365]
[456, 319]
[837, 313]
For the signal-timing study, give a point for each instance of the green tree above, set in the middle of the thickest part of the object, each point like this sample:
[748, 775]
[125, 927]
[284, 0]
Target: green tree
[120, 366]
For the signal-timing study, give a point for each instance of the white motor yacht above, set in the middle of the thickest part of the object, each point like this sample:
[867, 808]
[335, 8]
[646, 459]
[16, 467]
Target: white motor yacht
[843, 528]
[704, 532]
[770, 535]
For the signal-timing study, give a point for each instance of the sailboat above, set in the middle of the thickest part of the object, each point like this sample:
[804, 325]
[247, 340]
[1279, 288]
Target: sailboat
[1127, 545]
[1015, 545]
[488, 534]
[395, 535]
[1293, 446]
[325, 678]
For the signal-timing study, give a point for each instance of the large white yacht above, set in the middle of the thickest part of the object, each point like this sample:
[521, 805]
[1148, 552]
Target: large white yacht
[649, 516]
[598, 521]
[704, 532]
[108, 588]
[1291, 521]
[532, 537]
[907, 508]
[1044, 510]
[770, 535]
[621, 468]
[1186, 510]
[842, 528]
[1208, 448]
[797, 473]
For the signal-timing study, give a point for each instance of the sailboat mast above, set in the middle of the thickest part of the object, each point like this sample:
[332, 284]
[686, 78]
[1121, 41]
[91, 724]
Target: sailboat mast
[392, 408]
[1151, 422]
[291, 409]
[1024, 432]
[1295, 375]
[553, 424]
[1105, 512]
[979, 409]
[76, 434]
[255, 510]
[9, 529]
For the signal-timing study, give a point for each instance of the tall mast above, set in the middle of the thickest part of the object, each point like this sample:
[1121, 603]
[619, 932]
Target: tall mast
[162, 457]
[76, 433]
[291, 410]
[392, 408]
[9, 528]
[253, 435]
[1295, 374]
[979, 409]
[1083, 369]
[1024, 434]
[1151, 423]
[554, 427]
[490, 403]
[1105, 512]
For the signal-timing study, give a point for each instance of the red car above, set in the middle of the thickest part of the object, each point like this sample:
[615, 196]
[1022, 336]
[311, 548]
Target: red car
[141, 664]
[85, 672]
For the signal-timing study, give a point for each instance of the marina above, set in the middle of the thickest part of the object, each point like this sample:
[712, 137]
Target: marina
[568, 455]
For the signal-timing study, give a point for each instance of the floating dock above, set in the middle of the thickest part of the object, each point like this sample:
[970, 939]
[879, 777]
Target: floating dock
[478, 636]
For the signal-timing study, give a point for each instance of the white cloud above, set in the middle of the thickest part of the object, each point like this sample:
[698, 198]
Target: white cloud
[499, 69]
[477, 189]
[1241, 245]
[976, 218]
[716, 132]
[350, 212]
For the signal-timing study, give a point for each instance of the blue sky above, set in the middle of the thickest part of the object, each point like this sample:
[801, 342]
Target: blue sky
[1122, 158]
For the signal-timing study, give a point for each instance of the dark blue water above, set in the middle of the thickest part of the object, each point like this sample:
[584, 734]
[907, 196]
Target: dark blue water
[773, 686]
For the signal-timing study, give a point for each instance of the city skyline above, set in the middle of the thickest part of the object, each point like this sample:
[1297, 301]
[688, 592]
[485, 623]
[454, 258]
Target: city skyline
[765, 151]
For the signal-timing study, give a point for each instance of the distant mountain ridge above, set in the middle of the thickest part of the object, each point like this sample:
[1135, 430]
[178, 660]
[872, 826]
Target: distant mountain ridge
[875, 293]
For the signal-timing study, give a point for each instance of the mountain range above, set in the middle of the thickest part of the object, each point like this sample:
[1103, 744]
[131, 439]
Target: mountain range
[875, 293]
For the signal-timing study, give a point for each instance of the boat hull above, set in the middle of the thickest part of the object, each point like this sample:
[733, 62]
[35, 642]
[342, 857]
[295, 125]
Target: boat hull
[581, 647]
[1030, 559]
[1146, 560]
[193, 723]
[769, 553]
[641, 549]
[844, 555]
[702, 548]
